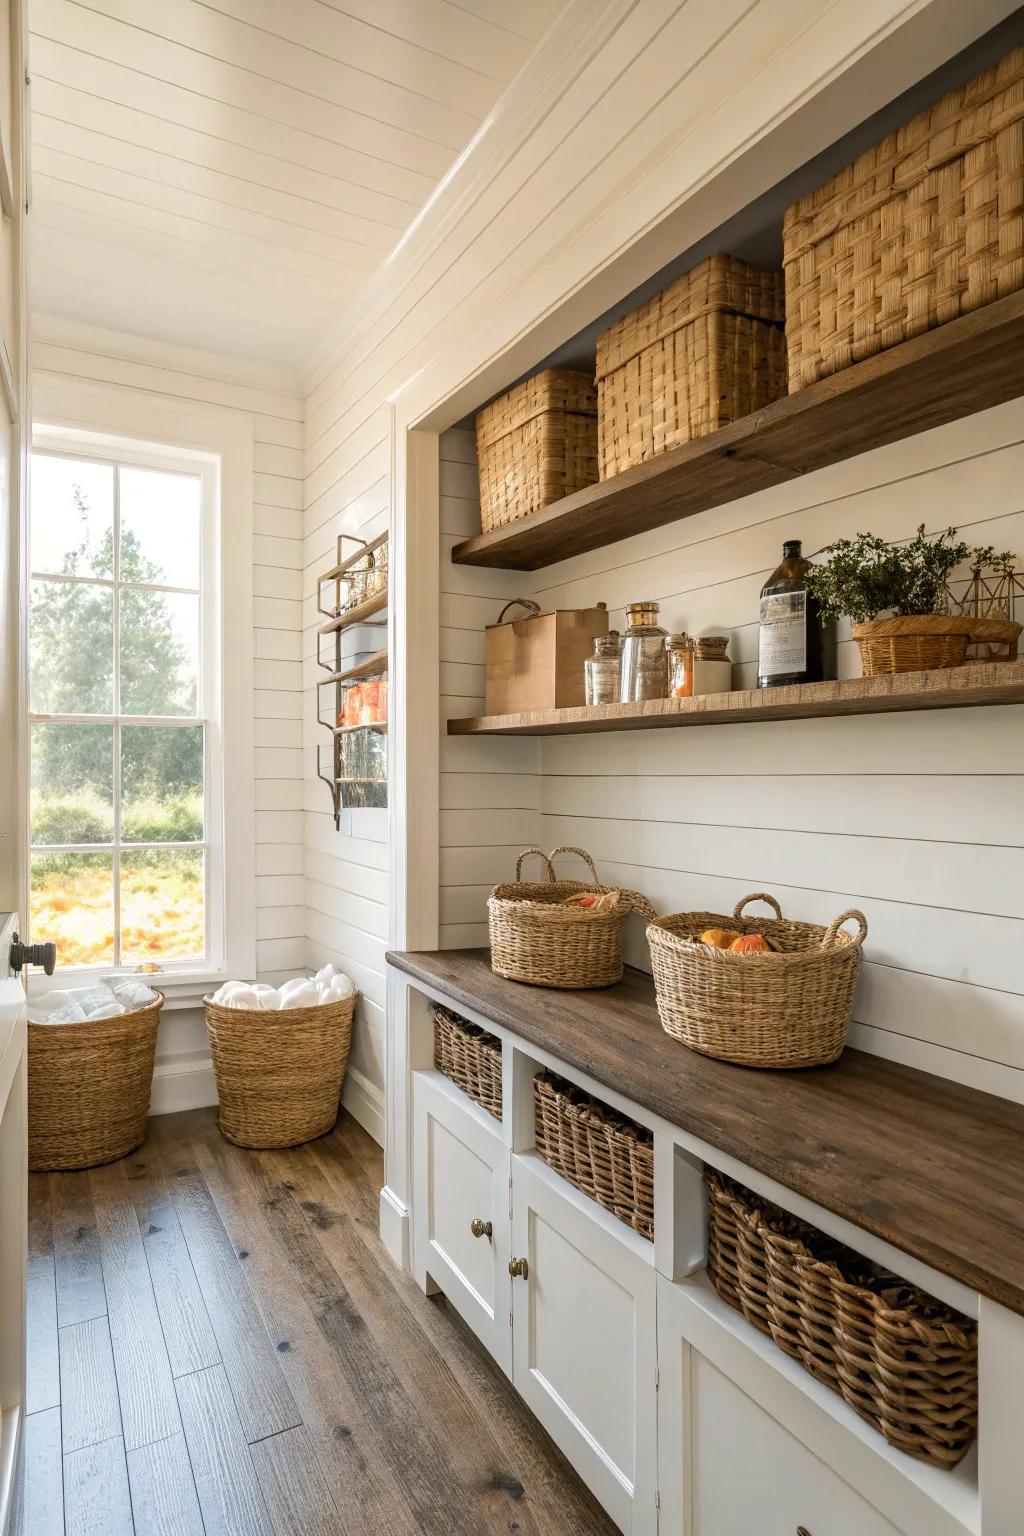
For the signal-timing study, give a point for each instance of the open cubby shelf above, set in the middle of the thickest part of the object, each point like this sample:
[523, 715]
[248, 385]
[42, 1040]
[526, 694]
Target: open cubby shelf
[965, 366]
[979, 682]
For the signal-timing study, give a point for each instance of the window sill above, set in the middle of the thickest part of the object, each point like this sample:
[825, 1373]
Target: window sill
[182, 989]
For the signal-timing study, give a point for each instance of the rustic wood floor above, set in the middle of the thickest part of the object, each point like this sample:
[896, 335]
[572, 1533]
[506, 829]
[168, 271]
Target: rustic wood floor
[219, 1344]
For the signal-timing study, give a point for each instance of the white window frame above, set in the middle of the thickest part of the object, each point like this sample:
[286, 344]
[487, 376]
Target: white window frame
[112, 423]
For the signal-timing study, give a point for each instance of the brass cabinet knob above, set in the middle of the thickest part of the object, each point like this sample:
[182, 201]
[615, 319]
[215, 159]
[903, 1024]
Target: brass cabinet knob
[480, 1228]
[518, 1269]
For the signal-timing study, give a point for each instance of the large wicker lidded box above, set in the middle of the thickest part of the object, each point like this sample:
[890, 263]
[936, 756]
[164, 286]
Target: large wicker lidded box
[707, 350]
[920, 229]
[536, 444]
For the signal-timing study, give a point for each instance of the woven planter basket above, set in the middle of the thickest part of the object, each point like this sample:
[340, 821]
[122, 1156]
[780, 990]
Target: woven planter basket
[89, 1086]
[920, 229]
[470, 1057]
[279, 1073]
[913, 643]
[534, 939]
[905, 1362]
[536, 444]
[596, 1150]
[786, 1009]
[705, 351]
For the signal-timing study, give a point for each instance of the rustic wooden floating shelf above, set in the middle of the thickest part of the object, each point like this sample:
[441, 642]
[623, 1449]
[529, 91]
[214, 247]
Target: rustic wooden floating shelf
[371, 667]
[981, 682]
[357, 614]
[966, 366]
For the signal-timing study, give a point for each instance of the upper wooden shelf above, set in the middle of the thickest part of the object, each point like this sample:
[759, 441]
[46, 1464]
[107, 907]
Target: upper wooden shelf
[965, 366]
[358, 614]
[981, 682]
[371, 667]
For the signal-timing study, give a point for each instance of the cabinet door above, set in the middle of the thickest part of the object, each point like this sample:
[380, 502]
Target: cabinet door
[584, 1339]
[460, 1181]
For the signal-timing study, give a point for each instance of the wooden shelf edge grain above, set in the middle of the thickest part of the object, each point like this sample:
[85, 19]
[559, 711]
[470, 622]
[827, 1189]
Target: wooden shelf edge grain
[966, 366]
[977, 683]
[356, 615]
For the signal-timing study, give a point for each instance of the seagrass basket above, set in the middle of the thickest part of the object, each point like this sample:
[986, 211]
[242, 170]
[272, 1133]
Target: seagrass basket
[536, 444]
[788, 1008]
[905, 1362]
[279, 1072]
[707, 350]
[920, 229]
[470, 1057]
[603, 1153]
[537, 940]
[89, 1086]
[913, 643]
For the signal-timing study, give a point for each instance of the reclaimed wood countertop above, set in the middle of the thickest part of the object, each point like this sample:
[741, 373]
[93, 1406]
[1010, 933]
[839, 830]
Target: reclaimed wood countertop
[932, 1167]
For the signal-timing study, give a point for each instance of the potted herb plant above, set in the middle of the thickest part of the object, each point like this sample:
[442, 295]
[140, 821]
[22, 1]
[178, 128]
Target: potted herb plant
[866, 576]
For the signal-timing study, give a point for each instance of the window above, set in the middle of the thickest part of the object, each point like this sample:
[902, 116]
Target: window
[122, 708]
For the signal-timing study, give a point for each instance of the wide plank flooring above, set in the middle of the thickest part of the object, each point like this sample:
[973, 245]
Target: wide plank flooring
[219, 1346]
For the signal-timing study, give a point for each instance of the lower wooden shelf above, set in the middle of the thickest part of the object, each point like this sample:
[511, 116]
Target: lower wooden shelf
[977, 683]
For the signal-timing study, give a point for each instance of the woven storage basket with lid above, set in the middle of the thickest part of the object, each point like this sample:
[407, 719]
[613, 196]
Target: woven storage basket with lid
[920, 229]
[904, 1361]
[536, 444]
[788, 1008]
[279, 1073]
[705, 351]
[537, 940]
[89, 1086]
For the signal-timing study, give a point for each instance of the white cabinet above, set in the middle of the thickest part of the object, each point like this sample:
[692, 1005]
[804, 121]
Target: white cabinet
[461, 1209]
[584, 1339]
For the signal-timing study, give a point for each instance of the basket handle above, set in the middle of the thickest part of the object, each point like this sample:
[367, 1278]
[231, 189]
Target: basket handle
[639, 904]
[759, 896]
[580, 852]
[541, 855]
[837, 922]
[528, 603]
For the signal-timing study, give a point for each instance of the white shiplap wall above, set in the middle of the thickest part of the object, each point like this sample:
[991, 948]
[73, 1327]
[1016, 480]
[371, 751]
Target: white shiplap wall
[276, 639]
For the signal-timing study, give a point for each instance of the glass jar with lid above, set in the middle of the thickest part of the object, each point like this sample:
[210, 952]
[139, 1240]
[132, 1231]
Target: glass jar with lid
[680, 666]
[602, 670]
[644, 657]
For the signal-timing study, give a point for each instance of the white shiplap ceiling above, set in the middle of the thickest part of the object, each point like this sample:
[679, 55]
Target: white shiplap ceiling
[226, 174]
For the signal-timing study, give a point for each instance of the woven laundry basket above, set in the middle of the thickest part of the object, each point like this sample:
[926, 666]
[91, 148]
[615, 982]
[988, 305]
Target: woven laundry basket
[536, 940]
[902, 1360]
[89, 1086]
[470, 1058]
[536, 444]
[279, 1072]
[707, 350]
[789, 1008]
[607, 1156]
[920, 229]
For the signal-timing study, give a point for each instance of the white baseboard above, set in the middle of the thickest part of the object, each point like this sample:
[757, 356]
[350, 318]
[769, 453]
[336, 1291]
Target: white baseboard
[394, 1228]
[183, 1084]
[365, 1103]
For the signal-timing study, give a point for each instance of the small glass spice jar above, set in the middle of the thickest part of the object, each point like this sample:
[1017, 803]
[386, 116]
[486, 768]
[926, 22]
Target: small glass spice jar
[680, 666]
[602, 670]
[644, 658]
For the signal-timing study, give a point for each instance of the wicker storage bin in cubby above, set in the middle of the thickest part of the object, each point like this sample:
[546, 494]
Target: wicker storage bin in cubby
[536, 444]
[599, 1151]
[470, 1057]
[920, 229]
[705, 351]
[788, 1008]
[904, 1361]
[88, 1088]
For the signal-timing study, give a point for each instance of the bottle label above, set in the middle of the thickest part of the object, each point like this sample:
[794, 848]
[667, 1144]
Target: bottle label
[783, 638]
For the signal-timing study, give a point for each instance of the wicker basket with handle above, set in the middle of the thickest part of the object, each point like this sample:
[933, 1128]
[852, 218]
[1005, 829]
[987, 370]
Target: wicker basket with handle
[534, 938]
[279, 1072]
[787, 1008]
[920, 229]
[89, 1086]
[904, 1361]
[470, 1058]
[536, 444]
[607, 1156]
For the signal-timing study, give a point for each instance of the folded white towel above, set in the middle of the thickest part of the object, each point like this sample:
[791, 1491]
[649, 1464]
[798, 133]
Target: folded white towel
[71, 1013]
[130, 991]
[107, 1011]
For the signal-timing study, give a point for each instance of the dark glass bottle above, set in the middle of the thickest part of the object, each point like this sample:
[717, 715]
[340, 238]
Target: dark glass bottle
[793, 645]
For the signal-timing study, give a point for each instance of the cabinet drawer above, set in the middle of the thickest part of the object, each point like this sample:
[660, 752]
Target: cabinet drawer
[749, 1474]
[460, 1184]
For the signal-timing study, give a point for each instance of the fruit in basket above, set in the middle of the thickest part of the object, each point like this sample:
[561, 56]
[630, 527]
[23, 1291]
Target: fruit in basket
[750, 944]
[590, 901]
[719, 938]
